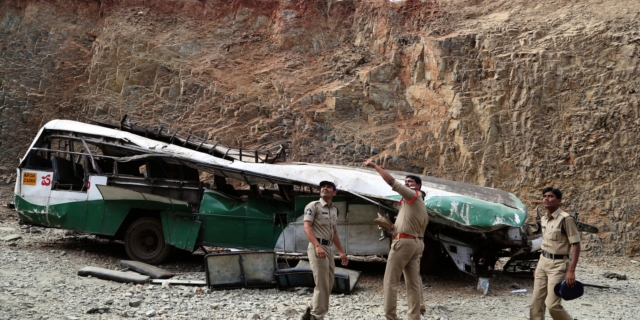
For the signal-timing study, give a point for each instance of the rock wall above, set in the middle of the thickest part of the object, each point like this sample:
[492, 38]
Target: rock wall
[44, 63]
[512, 95]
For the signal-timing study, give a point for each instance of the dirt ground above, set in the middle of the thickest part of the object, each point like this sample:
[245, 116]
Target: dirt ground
[38, 281]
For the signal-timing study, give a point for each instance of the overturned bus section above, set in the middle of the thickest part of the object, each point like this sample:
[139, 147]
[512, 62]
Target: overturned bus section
[157, 192]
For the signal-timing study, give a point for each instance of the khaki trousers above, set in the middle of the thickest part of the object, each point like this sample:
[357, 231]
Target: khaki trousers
[404, 258]
[323, 275]
[548, 274]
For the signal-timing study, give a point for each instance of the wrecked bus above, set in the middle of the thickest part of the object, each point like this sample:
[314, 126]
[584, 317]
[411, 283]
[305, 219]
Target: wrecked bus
[157, 191]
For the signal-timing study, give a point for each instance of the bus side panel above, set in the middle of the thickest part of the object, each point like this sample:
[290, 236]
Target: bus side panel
[116, 211]
[33, 197]
[243, 224]
[67, 210]
[179, 231]
[31, 213]
[223, 220]
[261, 227]
[16, 189]
[95, 206]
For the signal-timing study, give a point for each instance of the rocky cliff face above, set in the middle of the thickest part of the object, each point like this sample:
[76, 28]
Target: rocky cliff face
[514, 95]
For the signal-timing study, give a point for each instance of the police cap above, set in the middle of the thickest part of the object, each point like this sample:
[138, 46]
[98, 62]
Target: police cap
[333, 185]
[565, 292]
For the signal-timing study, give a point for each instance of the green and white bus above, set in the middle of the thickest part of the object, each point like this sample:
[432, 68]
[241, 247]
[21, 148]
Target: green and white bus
[157, 191]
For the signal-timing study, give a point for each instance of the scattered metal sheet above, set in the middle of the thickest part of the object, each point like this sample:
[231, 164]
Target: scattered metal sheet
[141, 267]
[197, 283]
[302, 276]
[118, 276]
[12, 237]
[240, 270]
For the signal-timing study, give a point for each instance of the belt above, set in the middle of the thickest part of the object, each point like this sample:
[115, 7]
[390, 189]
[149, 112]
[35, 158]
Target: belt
[405, 236]
[324, 242]
[554, 256]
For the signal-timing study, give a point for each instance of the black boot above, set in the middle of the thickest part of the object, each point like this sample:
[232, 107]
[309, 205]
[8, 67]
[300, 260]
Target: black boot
[306, 315]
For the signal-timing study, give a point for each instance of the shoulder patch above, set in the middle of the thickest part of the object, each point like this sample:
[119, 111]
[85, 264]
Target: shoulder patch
[566, 215]
[309, 212]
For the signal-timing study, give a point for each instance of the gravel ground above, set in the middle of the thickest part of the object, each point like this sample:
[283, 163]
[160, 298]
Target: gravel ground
[38, 281]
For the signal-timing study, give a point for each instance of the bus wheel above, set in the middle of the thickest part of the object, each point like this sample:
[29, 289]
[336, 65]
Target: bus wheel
[144, 241]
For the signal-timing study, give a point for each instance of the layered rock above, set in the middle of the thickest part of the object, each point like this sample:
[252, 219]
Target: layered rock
[515, 96]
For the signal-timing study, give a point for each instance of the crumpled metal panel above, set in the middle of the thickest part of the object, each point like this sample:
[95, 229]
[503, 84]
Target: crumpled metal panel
[240, 270]
[181, 232]
[475, 213]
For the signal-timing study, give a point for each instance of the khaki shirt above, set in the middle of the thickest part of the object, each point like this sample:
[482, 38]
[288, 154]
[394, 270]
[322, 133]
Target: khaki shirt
[412, 218]
[554, 240]
[324, 218]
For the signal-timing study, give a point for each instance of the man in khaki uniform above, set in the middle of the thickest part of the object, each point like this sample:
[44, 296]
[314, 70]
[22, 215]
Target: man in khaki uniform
[407, 245]
[320, 227]
[559, 236]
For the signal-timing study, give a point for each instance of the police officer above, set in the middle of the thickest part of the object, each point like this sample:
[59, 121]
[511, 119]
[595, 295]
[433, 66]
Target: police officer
[320, 227]
[559, 237]
[407, 245]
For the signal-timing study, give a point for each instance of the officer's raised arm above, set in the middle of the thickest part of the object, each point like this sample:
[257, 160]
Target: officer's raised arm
[406, 192]
[385, 175]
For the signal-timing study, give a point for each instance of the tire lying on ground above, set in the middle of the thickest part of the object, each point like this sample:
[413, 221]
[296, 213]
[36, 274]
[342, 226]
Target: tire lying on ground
[144, 241]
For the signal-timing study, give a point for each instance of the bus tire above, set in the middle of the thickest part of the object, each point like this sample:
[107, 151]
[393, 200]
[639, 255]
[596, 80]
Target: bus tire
[144, 241]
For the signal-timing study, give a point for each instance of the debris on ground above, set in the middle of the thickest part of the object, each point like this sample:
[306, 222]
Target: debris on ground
[613, 275]
[12, 237]
[98, 310]
[118, 276]
[168, 283]
[144, 268]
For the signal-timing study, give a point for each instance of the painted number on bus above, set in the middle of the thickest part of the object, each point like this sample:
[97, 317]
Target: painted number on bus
[29, 178]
